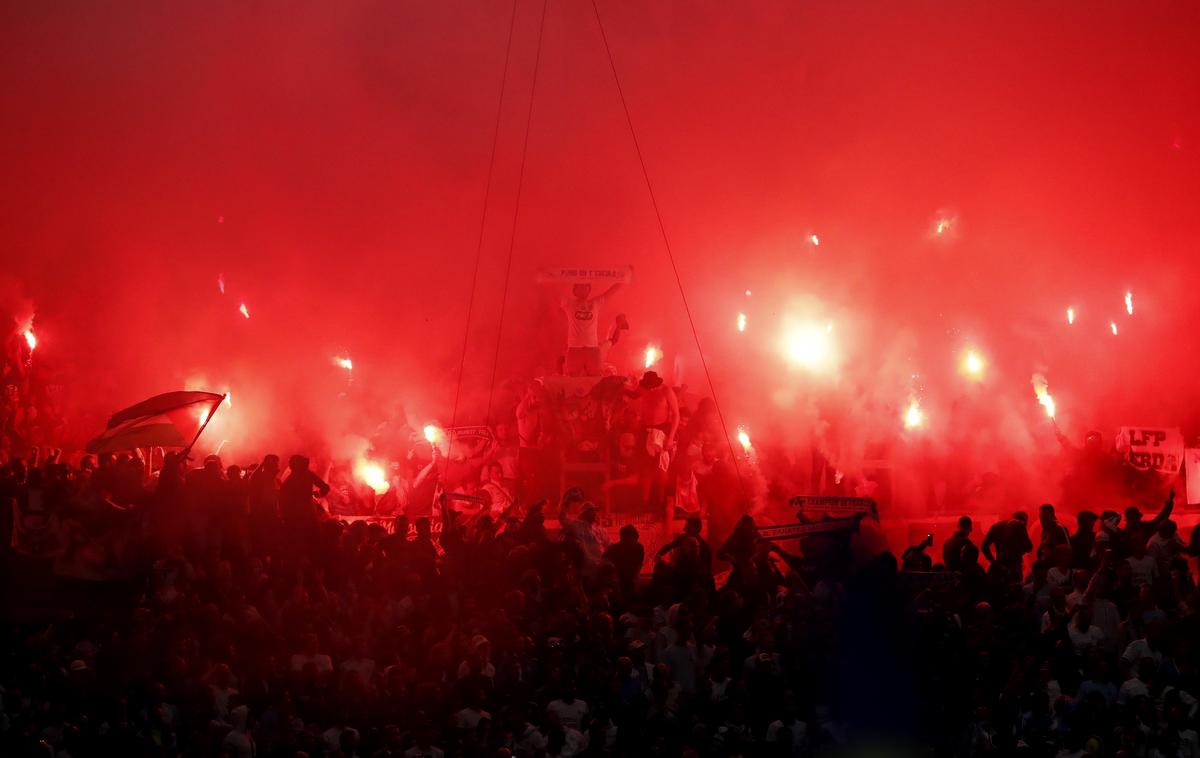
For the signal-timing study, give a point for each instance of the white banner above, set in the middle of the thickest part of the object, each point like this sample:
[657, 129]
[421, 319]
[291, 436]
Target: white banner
[791, 531]
[1150, 447]
[833, 504]
[1191, 471]
[589, 275]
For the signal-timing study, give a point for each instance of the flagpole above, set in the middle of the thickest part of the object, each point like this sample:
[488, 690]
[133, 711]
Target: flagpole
[203, 426]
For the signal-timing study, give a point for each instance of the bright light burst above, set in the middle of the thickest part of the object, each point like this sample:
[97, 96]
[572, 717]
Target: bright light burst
[432, 434]
[741, 322]
[1041, 388]
[1070, 315]
[942, 225]
[1129, 303]
[743, 439]
[815, 240]
[221, 283]
[653, 354]
[1113, 325]
[244, 310]
[973, 364]
[345, 363]
[30, 339]
[373, 475]
[204, 411]
[914, 417]
[810, 346]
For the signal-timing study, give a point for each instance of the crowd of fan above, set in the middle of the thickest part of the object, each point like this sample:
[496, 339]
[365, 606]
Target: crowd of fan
[260, 626]
[31, 412]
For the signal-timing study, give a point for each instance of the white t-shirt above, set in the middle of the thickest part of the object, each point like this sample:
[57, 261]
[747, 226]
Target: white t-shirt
[1084, 641]
[581, 321]
[469, 718]
[1131, 690]
[365, 667]
[1139, 649]
[1145, 569]
[323, 662]
[571, 714]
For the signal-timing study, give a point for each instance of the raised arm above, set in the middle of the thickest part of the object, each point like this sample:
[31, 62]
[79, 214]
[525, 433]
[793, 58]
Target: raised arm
[1166, 511]
[608, 292]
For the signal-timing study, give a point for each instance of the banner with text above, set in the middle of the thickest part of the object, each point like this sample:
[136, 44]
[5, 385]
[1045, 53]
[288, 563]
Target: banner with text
[1150, 447]
[792, 531]
[589, 275]
[833, 504]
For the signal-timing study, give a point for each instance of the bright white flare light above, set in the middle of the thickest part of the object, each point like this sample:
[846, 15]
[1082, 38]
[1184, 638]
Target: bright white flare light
[1129, 303]
[1041, 388]
[743, 439]
[1113, 325]
[914, 417]
[741, 322]
[653, 354]
[30, 339]
[372, 475]
[432, 434]
[1070, 315]
[810, 346]
[244, 310]
[973, 364]
[815, 240]
[345, 363]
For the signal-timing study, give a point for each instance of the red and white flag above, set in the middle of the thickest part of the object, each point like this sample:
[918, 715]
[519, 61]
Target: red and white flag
[172, 419]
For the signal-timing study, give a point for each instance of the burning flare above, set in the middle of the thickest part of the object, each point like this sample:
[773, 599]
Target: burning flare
[815, 240]
[244, 310]
[221, 283]
[432, 434]
[1113, 325]
[30, 339]
[741, 322]
[653, 354]
[973, 364]
[810, 346]
[743, 439]
[1070, 315]
[1129, 303]
[345, 363]
[1041, 388]
[914, 417]
[372, 475]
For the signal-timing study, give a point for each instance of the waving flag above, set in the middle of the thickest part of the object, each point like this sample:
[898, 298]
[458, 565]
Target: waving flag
[172, 419]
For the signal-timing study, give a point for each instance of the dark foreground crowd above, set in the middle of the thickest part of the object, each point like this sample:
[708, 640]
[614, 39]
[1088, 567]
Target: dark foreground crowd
[256, 625]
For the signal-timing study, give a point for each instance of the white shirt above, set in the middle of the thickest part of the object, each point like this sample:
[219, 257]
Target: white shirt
[1084, 641]
[323, 662]
[365, 667]
[469, 718]
[571, 714]
[1145, 569]
[1132, 689]
[581, 321]
[1139, 649]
